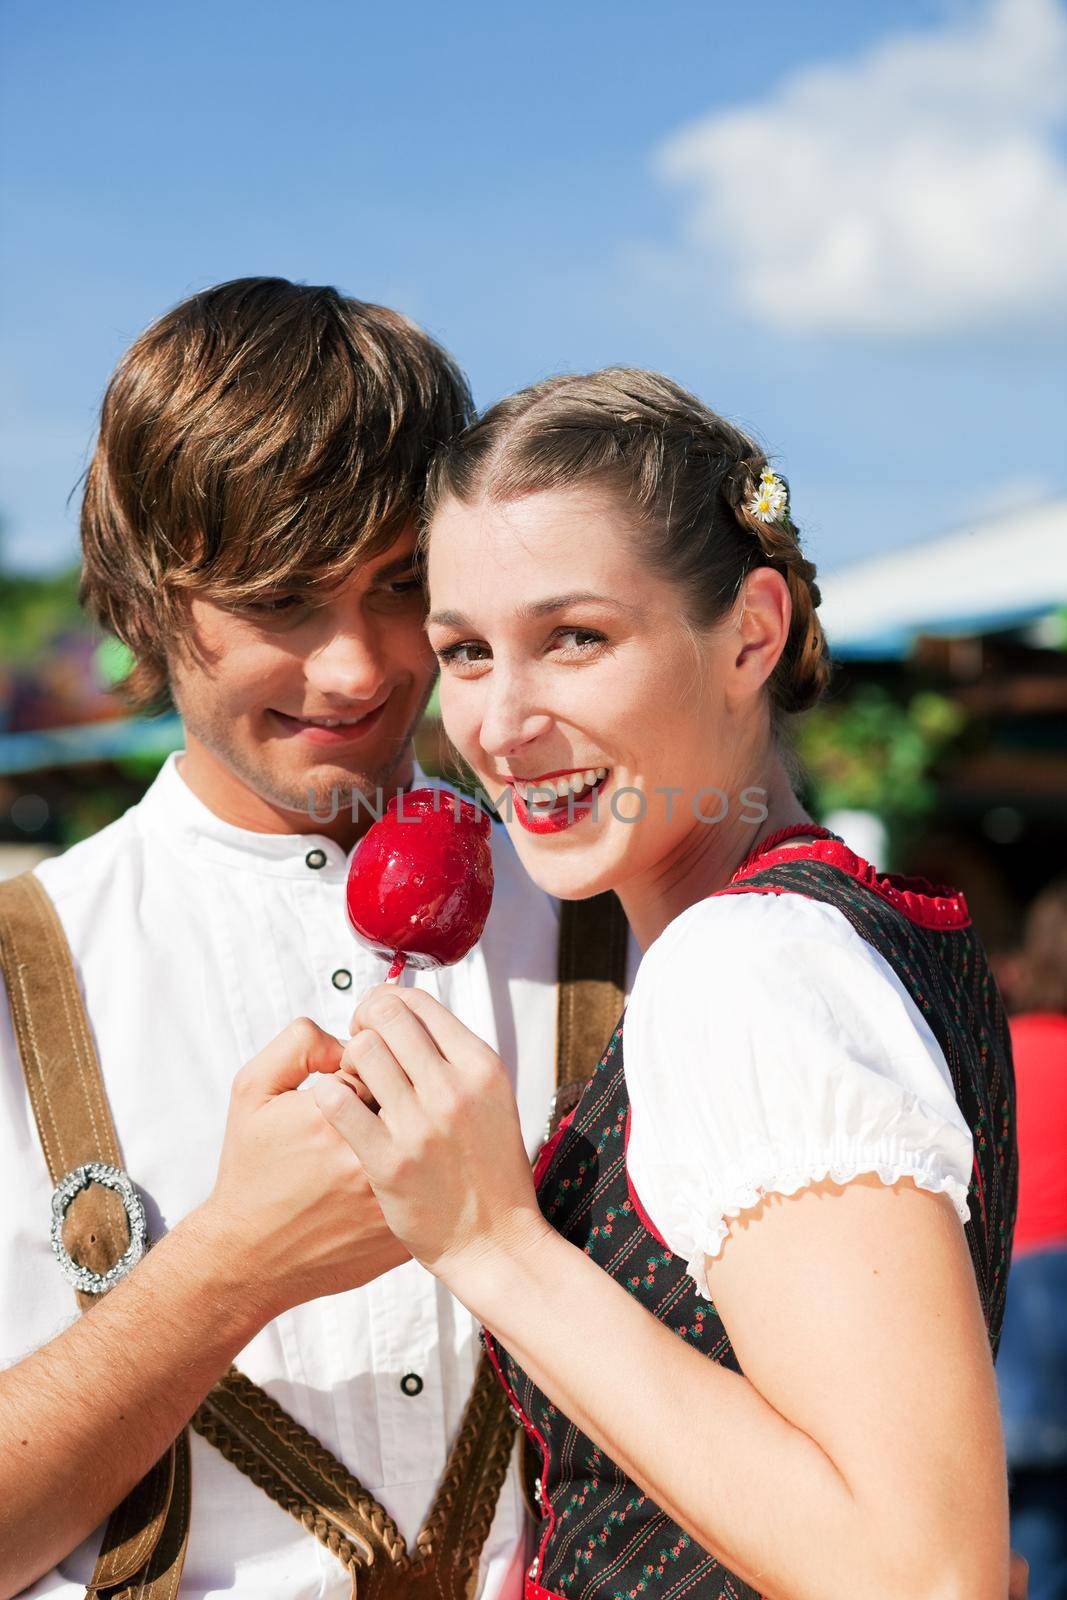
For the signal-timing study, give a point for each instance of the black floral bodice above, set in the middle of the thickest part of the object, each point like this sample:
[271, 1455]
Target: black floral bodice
[601, 1537]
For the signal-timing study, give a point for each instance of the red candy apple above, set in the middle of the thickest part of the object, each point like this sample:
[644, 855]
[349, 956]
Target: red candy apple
[420, 882]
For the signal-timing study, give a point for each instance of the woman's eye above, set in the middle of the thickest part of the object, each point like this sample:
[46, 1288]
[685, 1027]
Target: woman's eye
[574, 642]
[406, 586]
[462, 655]
[585, 638]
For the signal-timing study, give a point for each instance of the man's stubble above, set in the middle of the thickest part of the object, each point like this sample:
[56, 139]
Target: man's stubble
[322, 789]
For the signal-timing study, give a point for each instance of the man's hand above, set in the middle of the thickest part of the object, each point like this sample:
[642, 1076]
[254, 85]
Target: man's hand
[1018, 1578]
[291, 1202]
[291, 1217]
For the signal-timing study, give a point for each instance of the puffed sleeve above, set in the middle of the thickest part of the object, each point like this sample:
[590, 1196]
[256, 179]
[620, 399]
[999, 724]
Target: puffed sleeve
[768, 1046]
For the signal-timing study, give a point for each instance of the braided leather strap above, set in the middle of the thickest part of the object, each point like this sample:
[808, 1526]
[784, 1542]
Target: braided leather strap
[306, 1480]
[458, 1525]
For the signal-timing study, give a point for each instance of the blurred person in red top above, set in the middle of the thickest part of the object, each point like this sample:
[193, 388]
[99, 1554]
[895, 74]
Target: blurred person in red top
[1032, 1365]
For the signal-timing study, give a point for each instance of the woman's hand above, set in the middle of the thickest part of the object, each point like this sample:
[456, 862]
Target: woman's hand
[444, 1151]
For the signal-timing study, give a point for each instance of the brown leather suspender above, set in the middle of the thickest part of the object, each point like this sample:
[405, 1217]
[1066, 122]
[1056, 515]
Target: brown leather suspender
[591, 988]
[145, 1535]
[144, 1544]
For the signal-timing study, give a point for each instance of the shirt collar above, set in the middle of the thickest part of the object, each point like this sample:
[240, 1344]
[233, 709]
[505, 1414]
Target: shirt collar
[169, 806]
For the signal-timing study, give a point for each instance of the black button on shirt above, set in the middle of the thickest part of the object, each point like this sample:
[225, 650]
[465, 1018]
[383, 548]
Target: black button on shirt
[341, 979]
[411, 1383]
[315, 859]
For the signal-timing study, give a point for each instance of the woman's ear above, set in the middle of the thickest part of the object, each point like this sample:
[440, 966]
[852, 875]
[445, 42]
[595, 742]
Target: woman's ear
[761, 633]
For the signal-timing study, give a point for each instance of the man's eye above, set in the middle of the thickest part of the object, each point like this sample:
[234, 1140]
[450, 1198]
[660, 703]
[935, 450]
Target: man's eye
[277, 608]
[276, 605]
[386, 590]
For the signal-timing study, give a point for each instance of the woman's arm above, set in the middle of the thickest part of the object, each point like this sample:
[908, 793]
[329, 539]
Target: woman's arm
[861, 1453]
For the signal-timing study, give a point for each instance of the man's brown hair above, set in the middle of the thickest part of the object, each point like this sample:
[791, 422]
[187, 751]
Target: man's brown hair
[262, 435]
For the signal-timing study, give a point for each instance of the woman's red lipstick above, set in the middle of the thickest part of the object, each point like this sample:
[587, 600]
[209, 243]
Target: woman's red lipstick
[543, 818]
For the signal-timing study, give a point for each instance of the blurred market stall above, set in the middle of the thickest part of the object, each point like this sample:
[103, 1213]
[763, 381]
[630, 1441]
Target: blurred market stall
[947, 724]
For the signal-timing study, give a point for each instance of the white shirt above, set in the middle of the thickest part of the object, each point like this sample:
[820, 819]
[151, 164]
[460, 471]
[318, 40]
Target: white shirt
[195, 942]
[767, 1046]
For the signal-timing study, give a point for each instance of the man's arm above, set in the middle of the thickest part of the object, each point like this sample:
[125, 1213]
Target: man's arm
[291, 1217]
[86, 1416]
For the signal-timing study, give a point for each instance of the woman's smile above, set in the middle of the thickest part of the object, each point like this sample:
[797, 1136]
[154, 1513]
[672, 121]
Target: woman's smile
[557, 800]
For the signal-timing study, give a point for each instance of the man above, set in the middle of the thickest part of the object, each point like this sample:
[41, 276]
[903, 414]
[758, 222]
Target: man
[248, 530]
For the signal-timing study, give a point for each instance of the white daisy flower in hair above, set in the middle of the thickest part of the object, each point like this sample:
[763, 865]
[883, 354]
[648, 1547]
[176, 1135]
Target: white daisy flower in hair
[771, 499]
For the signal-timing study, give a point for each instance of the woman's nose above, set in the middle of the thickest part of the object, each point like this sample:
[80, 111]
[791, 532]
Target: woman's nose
[511, 720]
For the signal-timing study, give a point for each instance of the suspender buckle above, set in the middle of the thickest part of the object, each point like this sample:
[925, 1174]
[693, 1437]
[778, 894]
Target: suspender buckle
[64, 1195]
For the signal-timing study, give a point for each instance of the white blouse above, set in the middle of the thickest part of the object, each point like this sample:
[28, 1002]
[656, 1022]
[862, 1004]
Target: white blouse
[768, 1046]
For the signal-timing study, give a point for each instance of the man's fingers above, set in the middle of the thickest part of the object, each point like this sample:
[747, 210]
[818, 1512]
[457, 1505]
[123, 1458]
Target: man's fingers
[1019, 1578]
[299, 1050]
[355, 1122]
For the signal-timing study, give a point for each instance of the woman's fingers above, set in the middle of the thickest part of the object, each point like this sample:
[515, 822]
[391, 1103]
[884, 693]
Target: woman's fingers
[367, 1057]
[356, 1123]
[418, 1027]
[388, 1014]
[358, 1086]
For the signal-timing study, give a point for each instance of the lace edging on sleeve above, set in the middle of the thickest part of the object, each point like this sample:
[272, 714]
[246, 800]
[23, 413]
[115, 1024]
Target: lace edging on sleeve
[927, 1170]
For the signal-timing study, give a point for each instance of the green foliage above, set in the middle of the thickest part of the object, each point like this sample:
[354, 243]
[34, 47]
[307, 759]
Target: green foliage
[87, 811]
[34, 609]
[114, 661]
[875, 753]
[142, 766]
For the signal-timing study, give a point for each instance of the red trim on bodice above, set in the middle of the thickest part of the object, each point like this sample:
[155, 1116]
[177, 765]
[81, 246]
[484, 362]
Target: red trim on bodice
[548, 1149]
[926, 904]
[792, 832]
[635, 1198]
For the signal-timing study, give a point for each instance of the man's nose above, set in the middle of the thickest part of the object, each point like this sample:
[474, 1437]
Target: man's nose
[349, 663]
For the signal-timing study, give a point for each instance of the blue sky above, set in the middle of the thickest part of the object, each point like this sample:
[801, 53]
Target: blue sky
[844, 226]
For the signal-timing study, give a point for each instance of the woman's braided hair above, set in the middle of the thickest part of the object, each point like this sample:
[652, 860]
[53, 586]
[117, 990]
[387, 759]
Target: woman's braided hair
[691, 476]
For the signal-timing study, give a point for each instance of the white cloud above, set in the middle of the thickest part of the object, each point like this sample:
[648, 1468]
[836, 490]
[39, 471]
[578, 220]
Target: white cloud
[918, 189]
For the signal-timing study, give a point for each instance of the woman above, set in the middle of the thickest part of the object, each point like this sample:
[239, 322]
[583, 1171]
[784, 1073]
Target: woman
[747, 1316]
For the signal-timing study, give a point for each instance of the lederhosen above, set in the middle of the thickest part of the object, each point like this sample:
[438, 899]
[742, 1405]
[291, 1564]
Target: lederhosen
[600, 1536]
[97, 1217]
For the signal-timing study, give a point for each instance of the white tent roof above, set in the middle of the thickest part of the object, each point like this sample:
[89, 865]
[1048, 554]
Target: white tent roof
[994, 574]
